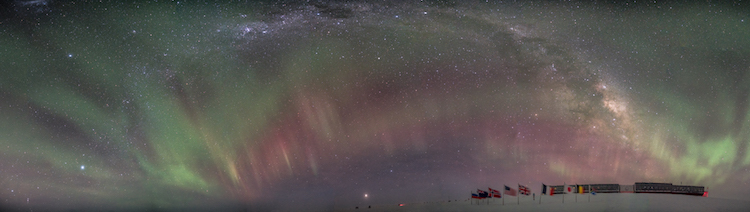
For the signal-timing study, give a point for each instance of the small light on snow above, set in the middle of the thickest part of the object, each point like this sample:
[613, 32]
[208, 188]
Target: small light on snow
[83, 167]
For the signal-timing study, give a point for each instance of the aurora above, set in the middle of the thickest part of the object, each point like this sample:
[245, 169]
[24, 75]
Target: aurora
[314, 105]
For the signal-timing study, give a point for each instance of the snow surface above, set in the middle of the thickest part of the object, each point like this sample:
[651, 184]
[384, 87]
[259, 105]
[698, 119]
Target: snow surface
[599, 202]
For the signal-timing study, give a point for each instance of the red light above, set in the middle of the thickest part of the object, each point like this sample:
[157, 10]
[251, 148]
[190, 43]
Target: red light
[401, 205]
[705, 193]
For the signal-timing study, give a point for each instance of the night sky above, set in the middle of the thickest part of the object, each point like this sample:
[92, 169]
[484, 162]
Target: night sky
[311, 105]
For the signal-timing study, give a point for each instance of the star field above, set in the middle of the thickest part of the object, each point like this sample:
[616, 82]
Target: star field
[325, 105]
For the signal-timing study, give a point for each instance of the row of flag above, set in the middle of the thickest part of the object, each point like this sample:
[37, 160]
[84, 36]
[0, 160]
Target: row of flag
[492, 193]
[523, 190]
[568, 189]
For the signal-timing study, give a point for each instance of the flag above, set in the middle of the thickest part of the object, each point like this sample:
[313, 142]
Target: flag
[494, 193]
[523, 190]
[475, 196]
[570, 189]
[482, 194]
[509, 191]
[551, 190]
[580, 189]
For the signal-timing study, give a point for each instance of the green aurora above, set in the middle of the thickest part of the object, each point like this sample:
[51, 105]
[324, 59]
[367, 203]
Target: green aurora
[173, 104]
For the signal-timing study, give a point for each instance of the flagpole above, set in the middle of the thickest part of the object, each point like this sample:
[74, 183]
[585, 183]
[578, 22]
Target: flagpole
[589, 192]
[542, 194]
[564, 193]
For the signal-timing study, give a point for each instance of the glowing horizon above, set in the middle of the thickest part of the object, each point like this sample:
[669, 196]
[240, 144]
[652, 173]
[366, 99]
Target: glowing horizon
[171, 104]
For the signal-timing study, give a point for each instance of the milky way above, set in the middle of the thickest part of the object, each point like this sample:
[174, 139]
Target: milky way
[312, 105]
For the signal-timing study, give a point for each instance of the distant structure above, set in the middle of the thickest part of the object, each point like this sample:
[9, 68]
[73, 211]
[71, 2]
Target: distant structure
[638, 187]
[669, 188]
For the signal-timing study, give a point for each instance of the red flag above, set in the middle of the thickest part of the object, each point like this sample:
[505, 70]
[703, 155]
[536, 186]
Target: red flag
[494, 193]
[551, 191]
[509, 191]
[523, 190]
[475, 196]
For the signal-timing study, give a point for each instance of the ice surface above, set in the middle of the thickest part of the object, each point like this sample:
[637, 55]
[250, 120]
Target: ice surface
[599, 202]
